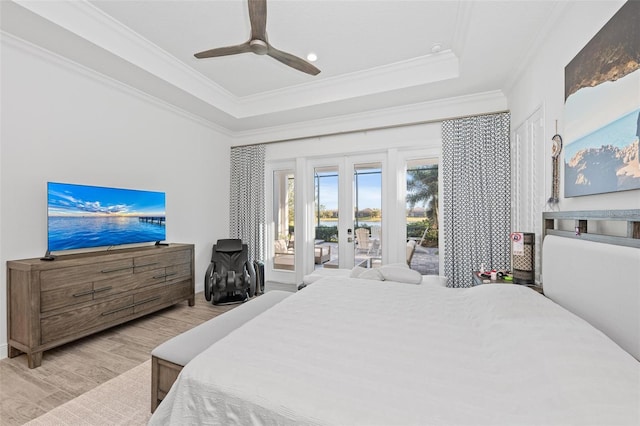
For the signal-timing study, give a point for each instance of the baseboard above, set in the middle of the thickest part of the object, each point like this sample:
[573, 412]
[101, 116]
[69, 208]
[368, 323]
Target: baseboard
[4, 351]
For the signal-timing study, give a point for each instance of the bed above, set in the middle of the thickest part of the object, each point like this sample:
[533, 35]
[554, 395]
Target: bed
[347, 351]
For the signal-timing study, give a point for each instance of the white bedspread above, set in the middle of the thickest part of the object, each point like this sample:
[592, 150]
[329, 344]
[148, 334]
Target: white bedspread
[359, 352]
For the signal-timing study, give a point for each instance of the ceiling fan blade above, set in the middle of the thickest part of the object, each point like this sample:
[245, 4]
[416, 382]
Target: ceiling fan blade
[292, 61]
[224, 51]
[258, 17]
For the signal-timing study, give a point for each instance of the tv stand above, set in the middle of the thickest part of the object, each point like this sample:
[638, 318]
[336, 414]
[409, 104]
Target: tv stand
[53, 303]
[48, 256]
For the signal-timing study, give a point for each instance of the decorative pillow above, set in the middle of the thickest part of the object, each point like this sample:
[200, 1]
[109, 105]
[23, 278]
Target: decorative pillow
[397, 265]
[437, 280]
[371, 274]
[356, 271]
[401, 275]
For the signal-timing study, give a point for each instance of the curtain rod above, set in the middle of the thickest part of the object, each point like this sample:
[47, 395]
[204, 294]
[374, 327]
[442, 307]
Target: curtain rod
[368, 129]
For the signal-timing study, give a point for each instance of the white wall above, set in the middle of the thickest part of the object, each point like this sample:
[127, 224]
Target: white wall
[542, 86]
[418, 136]
[61, 122]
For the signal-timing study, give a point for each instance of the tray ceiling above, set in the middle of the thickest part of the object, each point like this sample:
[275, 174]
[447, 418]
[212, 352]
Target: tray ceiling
[374, 55]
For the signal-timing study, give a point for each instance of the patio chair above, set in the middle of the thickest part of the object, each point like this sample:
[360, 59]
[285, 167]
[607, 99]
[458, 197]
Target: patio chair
[364, 241]
[376, 232]
[411, 249]
[283, 257]
[322, 254]
[376, 237]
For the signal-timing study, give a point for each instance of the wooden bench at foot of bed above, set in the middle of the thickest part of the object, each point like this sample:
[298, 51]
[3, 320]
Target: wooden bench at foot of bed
[168, 359]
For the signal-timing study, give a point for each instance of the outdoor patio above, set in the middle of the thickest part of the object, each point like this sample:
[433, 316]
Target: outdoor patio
[425, 260]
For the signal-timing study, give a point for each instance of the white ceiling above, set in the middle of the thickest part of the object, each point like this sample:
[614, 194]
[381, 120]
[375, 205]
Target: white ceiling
[373, 54]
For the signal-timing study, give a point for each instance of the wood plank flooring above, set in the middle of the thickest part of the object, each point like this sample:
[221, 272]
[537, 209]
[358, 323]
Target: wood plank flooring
[70, 370]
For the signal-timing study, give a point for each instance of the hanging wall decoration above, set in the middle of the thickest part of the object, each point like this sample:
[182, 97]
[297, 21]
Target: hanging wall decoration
[602, 109]
[556, 147]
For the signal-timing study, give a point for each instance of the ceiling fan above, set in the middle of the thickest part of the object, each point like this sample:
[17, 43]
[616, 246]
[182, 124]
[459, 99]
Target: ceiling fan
[258, 43]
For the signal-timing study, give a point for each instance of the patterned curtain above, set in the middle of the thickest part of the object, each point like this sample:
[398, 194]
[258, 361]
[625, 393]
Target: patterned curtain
[247, 201]
[476, 195]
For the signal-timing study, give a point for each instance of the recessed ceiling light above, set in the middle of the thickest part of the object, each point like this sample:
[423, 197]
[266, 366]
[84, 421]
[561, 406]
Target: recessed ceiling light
[312, 57]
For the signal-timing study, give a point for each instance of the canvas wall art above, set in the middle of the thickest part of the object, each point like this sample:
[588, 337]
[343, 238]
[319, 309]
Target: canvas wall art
[602, 109]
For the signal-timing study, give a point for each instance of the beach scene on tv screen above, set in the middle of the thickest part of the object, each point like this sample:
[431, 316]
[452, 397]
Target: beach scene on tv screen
[81, 216]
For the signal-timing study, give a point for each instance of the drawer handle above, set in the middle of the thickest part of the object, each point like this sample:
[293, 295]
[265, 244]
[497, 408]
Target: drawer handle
[83, 293]
[88, 292]
[122, 268]
[146, 264]
[133, 305]
[157, 277]
[151, 299]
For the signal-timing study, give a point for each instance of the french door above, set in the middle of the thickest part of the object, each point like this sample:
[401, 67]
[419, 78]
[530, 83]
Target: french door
[347, 215]
[341, 211]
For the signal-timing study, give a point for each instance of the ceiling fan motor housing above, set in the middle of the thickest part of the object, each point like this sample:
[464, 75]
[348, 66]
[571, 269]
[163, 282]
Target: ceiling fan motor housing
[258, 46]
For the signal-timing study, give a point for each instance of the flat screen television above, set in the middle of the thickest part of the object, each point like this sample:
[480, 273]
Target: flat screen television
[83, 216]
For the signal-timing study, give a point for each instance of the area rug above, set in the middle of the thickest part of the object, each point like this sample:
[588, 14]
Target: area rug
[123, 400]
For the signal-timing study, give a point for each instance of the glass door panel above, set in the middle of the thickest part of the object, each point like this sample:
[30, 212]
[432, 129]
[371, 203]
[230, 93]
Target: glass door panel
[347, 212]
[422, 210]
[284, 220]
[367, 213]
[326, 216]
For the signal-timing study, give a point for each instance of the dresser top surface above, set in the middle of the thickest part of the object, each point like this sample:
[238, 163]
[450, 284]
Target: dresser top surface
[95, 256]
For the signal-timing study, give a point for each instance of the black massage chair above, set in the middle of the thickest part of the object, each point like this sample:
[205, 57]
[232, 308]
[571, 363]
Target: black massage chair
[230, 277]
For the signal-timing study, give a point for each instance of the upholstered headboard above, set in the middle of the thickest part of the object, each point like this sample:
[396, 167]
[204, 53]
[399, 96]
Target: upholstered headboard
[595, 276]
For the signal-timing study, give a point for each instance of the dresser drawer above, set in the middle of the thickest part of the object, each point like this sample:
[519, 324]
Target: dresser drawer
[66, 296]
[69, 295]
[85, 318]
[161, 260]
[178, 272]
[151, 298]
[106, 288]
[54, 279]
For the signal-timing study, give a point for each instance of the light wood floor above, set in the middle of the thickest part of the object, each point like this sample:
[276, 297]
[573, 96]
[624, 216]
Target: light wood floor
[70, 370]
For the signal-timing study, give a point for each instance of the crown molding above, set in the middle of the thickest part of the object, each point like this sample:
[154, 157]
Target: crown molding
[419, 113]
[410, 73]
[430, 111]
[85, 20]
[8, 40]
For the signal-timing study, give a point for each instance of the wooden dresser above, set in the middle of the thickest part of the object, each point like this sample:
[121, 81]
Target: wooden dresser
[50, 303]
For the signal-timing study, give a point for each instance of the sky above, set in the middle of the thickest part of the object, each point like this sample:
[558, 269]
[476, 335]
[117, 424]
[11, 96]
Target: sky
[369, 192]
[591, 108]
[65, 199]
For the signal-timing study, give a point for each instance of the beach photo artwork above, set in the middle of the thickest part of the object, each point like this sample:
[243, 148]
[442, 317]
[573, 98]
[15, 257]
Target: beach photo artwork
[602, 109]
